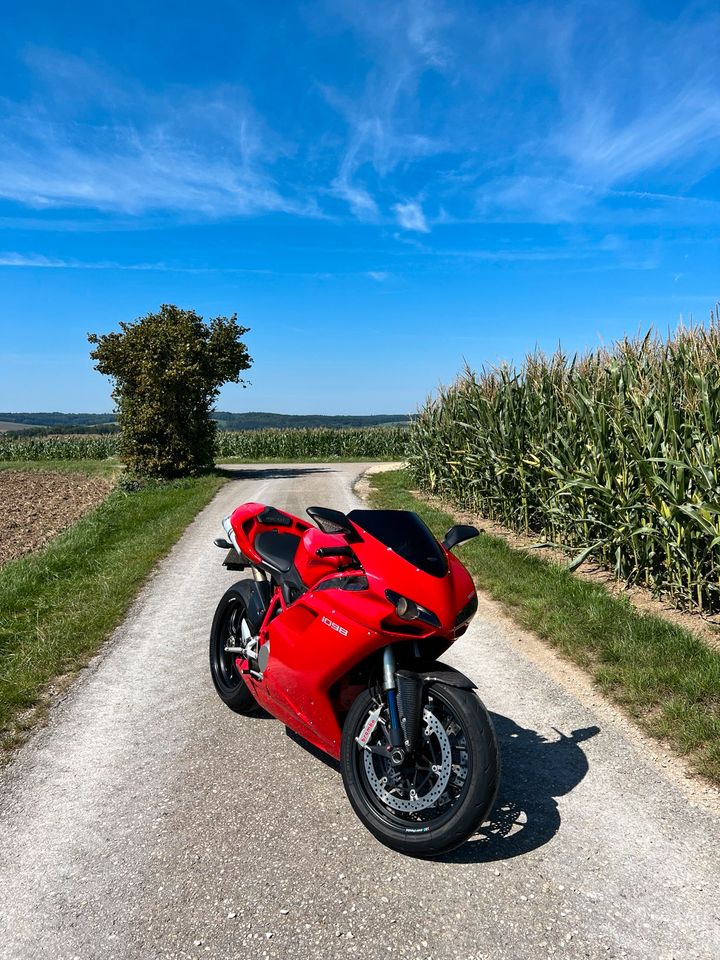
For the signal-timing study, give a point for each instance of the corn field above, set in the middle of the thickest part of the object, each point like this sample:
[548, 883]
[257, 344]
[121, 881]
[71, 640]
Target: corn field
[317, 443]
[614, 454]
[365, 443]
[87, 447]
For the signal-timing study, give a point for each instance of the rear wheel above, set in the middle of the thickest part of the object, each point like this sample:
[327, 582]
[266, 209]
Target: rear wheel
[438, 796]
[226, 631]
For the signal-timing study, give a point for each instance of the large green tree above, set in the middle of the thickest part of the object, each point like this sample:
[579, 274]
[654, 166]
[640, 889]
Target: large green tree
[167, 369]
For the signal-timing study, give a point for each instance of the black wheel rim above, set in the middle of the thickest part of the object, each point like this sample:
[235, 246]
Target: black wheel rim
[416, 771]
[226, 672]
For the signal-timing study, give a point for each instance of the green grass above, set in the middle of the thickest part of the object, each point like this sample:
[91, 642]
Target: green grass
[103, 467]
[58, 605]
[666, 678]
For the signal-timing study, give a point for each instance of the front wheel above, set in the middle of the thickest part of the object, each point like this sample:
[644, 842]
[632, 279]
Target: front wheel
[439, 795]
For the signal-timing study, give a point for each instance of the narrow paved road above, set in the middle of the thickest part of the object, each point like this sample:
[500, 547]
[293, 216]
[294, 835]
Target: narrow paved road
[148, 821]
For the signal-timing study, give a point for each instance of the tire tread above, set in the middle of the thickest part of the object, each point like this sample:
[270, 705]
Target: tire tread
[240, 700]
[473, 810]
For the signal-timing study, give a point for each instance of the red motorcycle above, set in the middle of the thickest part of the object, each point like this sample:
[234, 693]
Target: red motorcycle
[337, 634]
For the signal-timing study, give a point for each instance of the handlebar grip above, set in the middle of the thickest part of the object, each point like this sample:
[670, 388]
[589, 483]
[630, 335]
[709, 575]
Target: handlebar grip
[334, 552]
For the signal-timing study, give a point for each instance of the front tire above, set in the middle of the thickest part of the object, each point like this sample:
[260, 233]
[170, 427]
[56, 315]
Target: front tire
[228, 680]
[438, 798]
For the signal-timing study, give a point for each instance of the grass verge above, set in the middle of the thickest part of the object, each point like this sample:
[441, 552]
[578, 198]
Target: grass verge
[666, 678]
[58, 605]
[102, 467]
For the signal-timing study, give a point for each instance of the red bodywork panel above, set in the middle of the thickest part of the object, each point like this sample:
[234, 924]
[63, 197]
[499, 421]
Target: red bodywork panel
[316, 641]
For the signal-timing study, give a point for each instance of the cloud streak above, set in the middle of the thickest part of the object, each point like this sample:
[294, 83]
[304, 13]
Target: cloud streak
[500, 115]
[385, 129]
[640, 124]
[410, 216]
[183, 153]
[38, 260]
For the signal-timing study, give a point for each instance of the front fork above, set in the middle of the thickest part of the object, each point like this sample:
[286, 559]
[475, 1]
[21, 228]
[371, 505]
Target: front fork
[404, 697]
[397, 737]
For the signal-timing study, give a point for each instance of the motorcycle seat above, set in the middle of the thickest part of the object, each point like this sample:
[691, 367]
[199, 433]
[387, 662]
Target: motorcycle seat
[277, 549]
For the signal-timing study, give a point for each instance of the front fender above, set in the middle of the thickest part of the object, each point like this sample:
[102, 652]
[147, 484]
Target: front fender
[441, 673]
[410, 686]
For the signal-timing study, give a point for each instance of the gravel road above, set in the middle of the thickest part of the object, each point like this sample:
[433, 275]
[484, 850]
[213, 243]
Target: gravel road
[148, 821]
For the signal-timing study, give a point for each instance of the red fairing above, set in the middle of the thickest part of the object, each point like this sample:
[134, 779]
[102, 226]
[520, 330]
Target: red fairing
[246, 526]
[313, 568]
[319, 640]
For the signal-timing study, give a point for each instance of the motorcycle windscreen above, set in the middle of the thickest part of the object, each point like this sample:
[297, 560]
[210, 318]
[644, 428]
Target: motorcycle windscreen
[406, 534]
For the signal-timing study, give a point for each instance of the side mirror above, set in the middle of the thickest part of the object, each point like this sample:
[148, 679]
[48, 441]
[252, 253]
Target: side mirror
[459, 534]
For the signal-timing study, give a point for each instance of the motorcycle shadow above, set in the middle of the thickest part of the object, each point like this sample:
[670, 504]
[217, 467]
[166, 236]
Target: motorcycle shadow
[535, 771]
[271, 472]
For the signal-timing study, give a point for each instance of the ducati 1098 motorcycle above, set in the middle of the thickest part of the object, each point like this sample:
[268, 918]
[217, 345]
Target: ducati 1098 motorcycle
[337, 633]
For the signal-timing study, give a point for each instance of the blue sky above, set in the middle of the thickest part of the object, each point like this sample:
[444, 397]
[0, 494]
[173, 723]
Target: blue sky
[380, 190]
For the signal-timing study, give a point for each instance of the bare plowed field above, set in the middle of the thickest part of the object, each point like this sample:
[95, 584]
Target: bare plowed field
[35, 507]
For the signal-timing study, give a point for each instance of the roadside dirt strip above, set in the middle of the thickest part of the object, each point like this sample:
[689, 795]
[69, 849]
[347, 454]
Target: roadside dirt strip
[148, 821]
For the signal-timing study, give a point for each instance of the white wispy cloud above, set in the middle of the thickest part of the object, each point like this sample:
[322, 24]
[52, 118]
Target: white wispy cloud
[385, 128]
[410, 216]
[38, 260]
[346, 186]
[545, 199]
[499, 114]
[609, 150]
[380, 276]
[30, 260]
[534, 125]
[182, 152]
[647, 112]
[642, 111]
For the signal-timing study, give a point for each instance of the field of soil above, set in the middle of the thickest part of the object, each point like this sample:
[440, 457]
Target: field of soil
[36, 506]
[6, 425]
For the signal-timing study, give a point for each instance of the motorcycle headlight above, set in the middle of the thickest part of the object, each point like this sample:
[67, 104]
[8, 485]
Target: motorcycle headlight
[408, 609]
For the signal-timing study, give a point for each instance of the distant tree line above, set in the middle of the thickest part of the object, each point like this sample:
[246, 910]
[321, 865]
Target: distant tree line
[56, 419]
[81, 423]
[261, 421]
[63, 429]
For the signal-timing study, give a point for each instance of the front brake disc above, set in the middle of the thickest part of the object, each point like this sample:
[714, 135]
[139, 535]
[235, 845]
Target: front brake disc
[415, 802]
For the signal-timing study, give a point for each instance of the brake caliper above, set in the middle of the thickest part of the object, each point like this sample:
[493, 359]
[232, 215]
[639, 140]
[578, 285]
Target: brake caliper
[367, 731]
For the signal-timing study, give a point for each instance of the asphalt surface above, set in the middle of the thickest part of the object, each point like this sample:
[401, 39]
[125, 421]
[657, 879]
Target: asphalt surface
[148, 821]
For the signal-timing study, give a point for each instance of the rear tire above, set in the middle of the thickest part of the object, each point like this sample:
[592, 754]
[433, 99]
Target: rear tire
[228, 680]
[446, 824]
